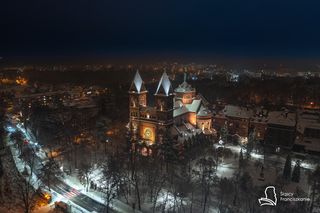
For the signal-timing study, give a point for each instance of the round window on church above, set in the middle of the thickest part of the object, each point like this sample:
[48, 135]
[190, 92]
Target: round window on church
[148, 134]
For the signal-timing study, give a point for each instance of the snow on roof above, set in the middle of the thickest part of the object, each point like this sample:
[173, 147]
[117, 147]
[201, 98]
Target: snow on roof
[178, 104]
[184, 87]
[310, 144]
[237, 111]
[194, 106]
[282, 118]
[164, 86]
[179, 111]
[204, 112]
[308, 119]
[137, 84]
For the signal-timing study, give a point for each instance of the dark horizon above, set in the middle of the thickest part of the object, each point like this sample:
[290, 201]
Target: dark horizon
[236, 61]
[183, 29]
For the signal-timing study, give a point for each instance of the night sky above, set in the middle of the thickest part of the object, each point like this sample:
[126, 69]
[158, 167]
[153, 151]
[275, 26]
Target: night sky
[133, 27]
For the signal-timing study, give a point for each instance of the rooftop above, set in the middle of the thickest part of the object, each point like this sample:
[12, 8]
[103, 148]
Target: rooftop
[308, 119]
[184, 87]
[237, 111]
[194, 106]
[204, 112]
[283, 118]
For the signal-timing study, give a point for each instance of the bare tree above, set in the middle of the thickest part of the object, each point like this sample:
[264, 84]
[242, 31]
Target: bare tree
[85, 172]
[154, 177]
[49, 172]
[136, 182]
[226, 190]
[206, 178]
[247, 188]
[110, 182]
[28, 185]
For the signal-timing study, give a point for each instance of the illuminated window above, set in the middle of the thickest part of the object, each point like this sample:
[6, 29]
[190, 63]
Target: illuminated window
[147, 134]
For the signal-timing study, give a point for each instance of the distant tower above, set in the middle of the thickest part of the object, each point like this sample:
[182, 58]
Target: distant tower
[137, 100]
[164, 103]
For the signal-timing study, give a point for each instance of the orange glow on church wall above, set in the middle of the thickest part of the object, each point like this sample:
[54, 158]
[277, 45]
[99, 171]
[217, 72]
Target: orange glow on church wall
[192, 118]
[187, 98]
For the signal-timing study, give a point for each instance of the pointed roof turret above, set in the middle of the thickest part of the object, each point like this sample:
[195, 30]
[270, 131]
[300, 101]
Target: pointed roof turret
[164, 86]
[137, 84]
[184, 87]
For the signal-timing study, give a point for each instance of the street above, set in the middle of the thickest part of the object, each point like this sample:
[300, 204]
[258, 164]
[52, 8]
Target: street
[64, 191]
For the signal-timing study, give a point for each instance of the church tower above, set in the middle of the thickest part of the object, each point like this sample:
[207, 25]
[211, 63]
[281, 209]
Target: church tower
[164, 101]
[148, 124]
[137, 100]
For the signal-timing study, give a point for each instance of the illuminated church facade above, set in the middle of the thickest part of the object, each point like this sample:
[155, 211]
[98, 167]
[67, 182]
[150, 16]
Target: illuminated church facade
[180, 111]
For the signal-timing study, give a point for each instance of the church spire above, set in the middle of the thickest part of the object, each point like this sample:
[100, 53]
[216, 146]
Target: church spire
[137, 84]
[164, 86]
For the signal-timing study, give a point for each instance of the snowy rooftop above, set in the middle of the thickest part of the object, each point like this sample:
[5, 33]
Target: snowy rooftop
[237, 111]
[197, 106]
[178, 104]
[184, 87]
[310, 144]
[180, 111]
[308, 119]
[194, 106]
[203, 112]
[282, 118]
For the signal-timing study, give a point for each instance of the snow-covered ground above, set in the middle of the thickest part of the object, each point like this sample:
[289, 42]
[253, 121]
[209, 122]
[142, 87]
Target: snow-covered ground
[116, 205]
[34, 180]
[271, 171]
[36, 183]
[227, 169]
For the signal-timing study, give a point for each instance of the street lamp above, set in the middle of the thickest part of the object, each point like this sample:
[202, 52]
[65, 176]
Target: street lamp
[105, 145]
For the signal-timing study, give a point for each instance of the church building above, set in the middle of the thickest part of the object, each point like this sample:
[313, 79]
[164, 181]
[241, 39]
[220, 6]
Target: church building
[181, 111]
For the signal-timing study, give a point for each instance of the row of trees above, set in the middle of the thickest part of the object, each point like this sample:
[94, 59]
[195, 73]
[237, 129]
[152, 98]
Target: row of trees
[294, 176]
[174, 185]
